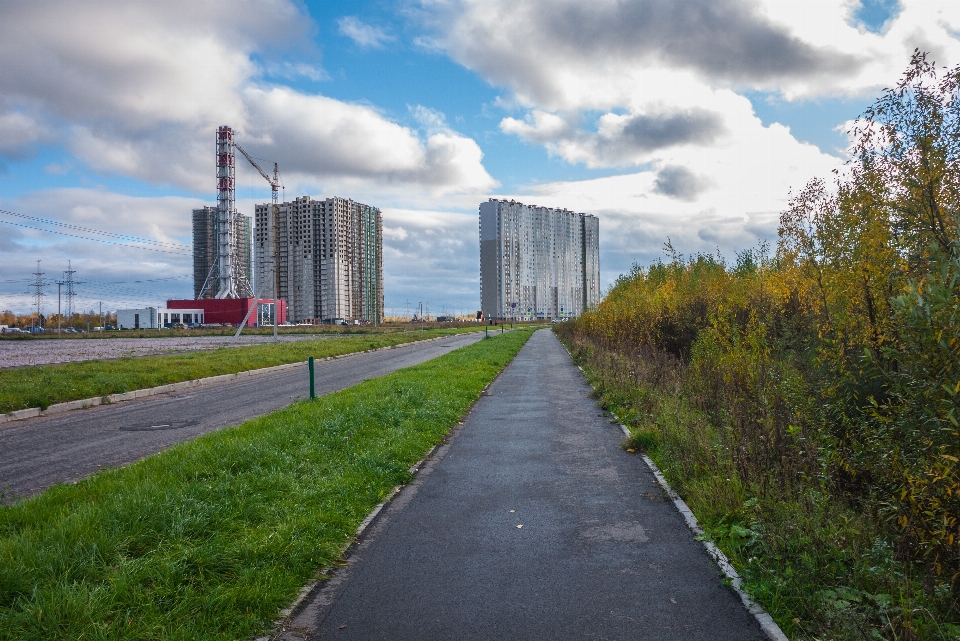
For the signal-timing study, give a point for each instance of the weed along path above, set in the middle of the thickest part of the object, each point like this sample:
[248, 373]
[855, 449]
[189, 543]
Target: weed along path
[40, 452]
[531, 523]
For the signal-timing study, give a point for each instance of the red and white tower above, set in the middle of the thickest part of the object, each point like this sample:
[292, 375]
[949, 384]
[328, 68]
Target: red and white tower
[231, 272]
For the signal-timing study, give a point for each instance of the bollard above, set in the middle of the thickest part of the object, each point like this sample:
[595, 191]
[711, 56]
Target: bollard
[486, 332]
[310, 364]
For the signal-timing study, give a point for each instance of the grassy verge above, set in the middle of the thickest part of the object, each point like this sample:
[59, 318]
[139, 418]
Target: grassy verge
[44, 385]
[210, 538]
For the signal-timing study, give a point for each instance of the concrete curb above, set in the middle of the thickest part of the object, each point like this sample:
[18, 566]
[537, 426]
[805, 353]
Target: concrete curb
[85, 403]
[767, 624]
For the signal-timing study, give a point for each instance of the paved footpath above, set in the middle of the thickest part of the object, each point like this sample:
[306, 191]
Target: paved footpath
[601, 553]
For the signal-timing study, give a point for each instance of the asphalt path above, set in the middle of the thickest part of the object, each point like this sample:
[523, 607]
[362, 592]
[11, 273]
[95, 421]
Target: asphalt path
[40, 452]
[531, 523]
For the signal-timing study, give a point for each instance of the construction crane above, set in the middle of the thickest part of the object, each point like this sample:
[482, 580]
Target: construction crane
[275, 186]
[275, 183]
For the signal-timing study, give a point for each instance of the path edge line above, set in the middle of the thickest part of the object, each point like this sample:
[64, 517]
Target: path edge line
[766, 622]
[86, 403]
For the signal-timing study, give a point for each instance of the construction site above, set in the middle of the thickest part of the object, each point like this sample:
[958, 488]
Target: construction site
[315, 261]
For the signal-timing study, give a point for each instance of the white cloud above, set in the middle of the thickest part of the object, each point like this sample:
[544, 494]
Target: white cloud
[138, 89]
[18, 131]
[436, 258]
[562, 55]
[321, 136]
[363, 34]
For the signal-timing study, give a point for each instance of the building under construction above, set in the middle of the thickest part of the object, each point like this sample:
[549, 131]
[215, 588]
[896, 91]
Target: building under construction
[330, 255]
[206, 276]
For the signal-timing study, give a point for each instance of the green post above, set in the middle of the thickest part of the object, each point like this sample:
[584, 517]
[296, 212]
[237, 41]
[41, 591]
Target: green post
[312, 392]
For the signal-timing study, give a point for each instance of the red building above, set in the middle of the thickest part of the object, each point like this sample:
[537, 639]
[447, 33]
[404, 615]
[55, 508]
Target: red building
[232, 310]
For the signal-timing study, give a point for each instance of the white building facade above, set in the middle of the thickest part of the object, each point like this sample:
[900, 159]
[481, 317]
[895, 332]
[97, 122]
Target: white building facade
[169, 317]
[330, 259]
[537, 262]
[139, 318]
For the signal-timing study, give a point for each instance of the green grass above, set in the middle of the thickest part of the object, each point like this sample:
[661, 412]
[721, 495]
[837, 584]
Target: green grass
[208, 540]
[44, 385]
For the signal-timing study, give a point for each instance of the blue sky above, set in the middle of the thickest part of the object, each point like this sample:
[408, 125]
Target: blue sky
[633, 111]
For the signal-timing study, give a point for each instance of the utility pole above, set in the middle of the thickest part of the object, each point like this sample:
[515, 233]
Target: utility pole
[71, 294]
[68, 276]
[59, 315]
[37, 285]
[101, 317]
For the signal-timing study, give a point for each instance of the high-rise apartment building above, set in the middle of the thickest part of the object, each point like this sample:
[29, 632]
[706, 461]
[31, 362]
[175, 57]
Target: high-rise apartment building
[330, 259]
[206, 276]
[537, 262]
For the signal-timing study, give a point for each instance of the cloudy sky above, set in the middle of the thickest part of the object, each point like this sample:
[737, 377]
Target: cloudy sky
[682, 119]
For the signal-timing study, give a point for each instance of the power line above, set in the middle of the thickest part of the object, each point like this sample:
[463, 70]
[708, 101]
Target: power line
[98, 240]
[90, 230]
[145, 280]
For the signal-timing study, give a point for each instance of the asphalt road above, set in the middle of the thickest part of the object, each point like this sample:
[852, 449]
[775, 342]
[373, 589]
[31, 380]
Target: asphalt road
[40, 452]
[601, 553]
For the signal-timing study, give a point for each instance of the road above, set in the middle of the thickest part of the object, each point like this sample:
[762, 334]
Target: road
[40, 452]
[531, 523]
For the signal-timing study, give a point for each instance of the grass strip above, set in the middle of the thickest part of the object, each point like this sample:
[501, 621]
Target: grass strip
[208, 540]
[44, 385]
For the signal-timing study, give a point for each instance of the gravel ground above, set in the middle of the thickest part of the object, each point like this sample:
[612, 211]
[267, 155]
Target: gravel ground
[51, 351]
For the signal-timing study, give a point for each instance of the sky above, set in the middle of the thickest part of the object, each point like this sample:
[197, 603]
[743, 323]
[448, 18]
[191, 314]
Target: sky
[689, 121]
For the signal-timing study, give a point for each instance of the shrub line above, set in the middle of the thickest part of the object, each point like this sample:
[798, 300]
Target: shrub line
[58, 408]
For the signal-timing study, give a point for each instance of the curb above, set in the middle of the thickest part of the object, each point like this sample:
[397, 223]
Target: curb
[58, 408]
[767, 624]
